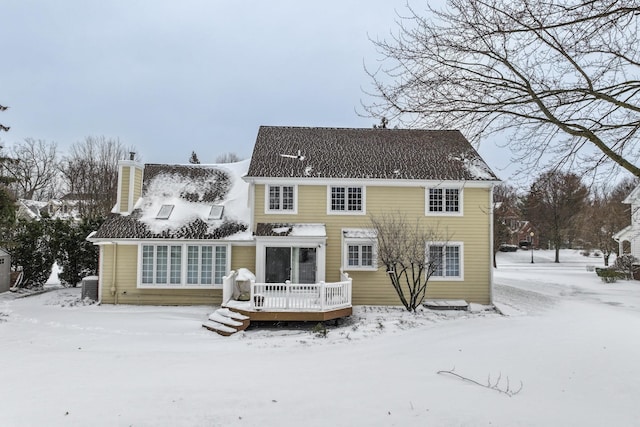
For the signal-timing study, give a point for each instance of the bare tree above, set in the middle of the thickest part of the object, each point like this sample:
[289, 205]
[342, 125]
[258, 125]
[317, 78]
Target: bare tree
[605, 215]
[559, 77]
[90, 173]
[554, 203]
[402, 248]
[7, 200]
[228, 158]
[3, 127]
[36, 170]
[505, 211]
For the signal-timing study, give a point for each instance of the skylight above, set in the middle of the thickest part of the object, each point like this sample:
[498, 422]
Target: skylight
[165, 212]
[216, 212]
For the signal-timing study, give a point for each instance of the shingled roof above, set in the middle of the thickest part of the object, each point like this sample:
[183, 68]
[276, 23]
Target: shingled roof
[192, 190]
[297, 152]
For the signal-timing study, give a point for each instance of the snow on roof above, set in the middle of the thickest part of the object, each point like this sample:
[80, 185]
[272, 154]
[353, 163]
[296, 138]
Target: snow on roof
[192, 190]
[295, 230]
[361, 233]
[193, 196]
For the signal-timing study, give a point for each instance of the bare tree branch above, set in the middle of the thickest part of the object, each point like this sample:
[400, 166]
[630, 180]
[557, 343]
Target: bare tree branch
[561, 76]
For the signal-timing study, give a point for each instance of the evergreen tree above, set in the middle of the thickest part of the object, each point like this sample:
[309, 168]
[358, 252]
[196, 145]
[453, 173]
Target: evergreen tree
[76, 256]
[194, 158]
[31, 250]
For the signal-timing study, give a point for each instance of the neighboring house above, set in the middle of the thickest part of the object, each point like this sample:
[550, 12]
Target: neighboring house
[68, 207]
[5, 270]
[296, 216]
[30, 209]
[629, 237]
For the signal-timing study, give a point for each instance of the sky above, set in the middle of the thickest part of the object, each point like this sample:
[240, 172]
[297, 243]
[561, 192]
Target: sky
[169, 78]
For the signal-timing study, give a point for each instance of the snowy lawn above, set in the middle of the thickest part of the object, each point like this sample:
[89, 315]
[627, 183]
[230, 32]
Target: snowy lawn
[573, 342]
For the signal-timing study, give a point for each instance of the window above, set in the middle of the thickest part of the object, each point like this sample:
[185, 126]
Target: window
[446, 259]
[280, 198]
[444, 201]
[346, 200]
[216, 212]
[174, 266]
[360, 250]
[164, 212]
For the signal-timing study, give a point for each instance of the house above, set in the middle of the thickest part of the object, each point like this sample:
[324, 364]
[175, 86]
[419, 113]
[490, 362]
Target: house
[629, 237]
[5, 271]
[290, 229]
[30, 210]
[68, 207]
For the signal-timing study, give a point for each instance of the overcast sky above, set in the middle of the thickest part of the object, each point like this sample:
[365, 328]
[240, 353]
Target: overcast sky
[169, 77]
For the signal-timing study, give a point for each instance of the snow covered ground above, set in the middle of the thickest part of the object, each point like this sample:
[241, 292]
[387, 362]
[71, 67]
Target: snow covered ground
[573, 342]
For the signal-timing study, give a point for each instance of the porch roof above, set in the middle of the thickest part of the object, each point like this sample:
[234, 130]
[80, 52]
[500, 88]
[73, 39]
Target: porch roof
[624, 234]
[268, 229]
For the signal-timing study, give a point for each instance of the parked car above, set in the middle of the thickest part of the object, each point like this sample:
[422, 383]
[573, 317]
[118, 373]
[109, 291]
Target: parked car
[525, 245]
[504, 247]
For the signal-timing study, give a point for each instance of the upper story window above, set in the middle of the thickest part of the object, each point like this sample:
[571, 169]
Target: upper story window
[280, 199]
[444, 201]
[346, 199]
[446, 259]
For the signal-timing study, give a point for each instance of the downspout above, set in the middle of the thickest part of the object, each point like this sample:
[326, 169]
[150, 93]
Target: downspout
[114, 289]
[491, 255]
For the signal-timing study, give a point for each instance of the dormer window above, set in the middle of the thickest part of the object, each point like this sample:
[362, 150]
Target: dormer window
[216, 212]
[165, 212]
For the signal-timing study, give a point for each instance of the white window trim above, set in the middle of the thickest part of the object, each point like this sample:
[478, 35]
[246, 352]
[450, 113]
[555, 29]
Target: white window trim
[367, 241]
[293, 211]
[183, 268]
[347, 212]
[301, 242]
[459, 278]
[460, 189]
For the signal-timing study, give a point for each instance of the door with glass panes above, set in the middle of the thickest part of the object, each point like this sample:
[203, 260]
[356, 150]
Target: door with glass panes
[296, 264]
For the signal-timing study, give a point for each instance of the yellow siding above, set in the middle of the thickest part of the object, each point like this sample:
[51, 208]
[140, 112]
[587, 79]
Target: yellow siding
[137, 185]
[126, 292]
[374, 288]
[124, 188]
[243, 257]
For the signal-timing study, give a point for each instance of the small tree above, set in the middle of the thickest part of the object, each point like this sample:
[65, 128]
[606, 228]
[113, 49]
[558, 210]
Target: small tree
[402, 248]
[194, 158]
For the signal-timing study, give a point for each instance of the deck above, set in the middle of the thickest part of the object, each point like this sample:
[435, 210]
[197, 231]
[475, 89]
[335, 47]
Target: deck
[289, 301]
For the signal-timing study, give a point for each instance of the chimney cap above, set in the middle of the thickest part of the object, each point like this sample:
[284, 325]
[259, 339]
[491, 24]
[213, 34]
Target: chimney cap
[132, 155]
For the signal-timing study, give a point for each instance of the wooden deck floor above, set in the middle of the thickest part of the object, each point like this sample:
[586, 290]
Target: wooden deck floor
[294, 316]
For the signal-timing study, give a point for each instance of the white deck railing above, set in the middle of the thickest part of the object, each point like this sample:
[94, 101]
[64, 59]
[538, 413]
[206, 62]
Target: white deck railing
[288, 296]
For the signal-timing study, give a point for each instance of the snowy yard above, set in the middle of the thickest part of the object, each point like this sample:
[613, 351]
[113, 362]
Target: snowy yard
[573, 341]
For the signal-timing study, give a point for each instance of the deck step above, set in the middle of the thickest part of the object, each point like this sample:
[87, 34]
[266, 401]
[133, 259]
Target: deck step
[220, 318]
[232, 314]
[226, 322]
[219, 328]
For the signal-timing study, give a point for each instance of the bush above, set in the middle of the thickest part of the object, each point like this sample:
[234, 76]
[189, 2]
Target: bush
[30, 248]
[624, 263]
